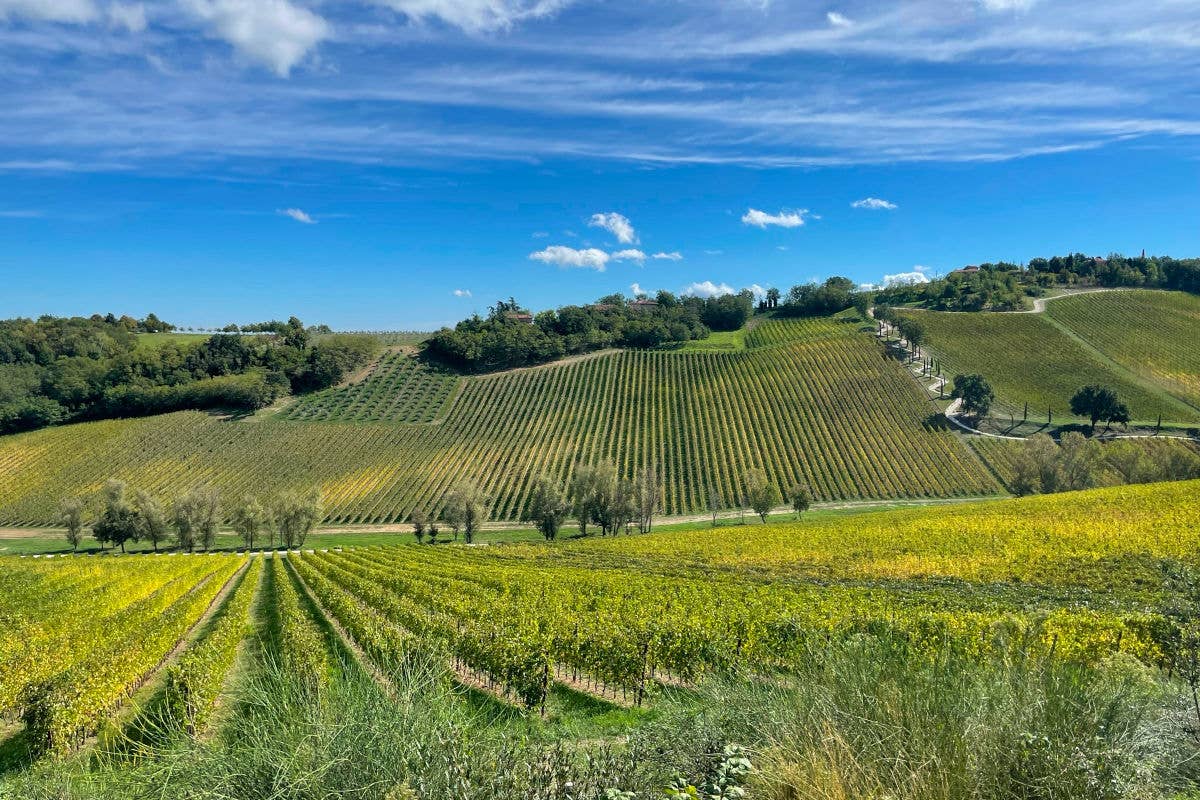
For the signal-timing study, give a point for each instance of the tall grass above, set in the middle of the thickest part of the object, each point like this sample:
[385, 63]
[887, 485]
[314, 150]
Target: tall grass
[862, 719]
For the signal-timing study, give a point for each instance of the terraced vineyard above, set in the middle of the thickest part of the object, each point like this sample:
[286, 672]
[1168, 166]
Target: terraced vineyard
[620, 617]
[1028, 359]
[400, 388]
[1153, 334]
[819, 404]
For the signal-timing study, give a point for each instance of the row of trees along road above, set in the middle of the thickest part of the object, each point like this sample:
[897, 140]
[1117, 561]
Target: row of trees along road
[192, 520]
[596, 495]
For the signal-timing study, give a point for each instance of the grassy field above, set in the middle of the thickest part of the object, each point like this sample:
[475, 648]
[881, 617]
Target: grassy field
[1028, 359]
[1153, 334]
[814, 400]
[897, 638]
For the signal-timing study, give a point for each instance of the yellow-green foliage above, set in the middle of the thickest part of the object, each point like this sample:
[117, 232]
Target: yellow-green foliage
[1027, 359]
[820, 404]
[1155, 334]
[1078, 575]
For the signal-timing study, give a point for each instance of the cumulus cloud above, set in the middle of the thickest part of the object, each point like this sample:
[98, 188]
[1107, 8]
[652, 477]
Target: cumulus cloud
[674, 255]
[76, 11]
[616, 224]
[629, 255]
[838, 20]
[130, 16]
[707, 289]
[298, 215]
[461, 293]
[906, 278]
[566, 257]
[784, 219]
[475, 16]
[276, 33]
[874, 204]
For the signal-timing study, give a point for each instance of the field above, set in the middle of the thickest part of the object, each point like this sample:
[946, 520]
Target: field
[1027, 358]
[607, 634]
[1115, 323]
[812, 400]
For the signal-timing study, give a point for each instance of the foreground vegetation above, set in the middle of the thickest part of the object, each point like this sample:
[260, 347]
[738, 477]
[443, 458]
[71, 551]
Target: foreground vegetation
[813, 401]
[1026, 648]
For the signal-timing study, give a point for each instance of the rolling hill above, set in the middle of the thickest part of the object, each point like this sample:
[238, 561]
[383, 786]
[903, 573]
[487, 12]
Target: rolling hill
[812, 400]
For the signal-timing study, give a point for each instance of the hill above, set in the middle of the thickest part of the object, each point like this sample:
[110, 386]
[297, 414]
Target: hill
[1043, 358]
[812, 400]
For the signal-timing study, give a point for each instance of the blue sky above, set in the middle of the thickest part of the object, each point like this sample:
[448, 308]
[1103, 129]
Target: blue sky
[384, 164]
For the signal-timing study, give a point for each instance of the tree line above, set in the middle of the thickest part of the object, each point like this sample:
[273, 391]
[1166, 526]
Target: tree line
[1003, 286]
[59, 369]
[596, 495]
[191, 521]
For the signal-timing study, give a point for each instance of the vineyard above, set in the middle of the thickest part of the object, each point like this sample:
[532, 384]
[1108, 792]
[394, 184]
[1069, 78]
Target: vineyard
[812, 401]
[1028, 359]
[1075, 577]
[1143, 331]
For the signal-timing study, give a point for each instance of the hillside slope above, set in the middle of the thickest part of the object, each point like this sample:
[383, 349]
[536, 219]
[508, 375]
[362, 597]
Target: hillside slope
[814, 400]
[1042, 359]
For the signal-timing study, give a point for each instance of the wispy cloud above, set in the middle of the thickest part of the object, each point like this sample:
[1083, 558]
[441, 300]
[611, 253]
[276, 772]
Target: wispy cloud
[298, 215]
[784, 219]
[567, 257]
[616, 224]
[874, 204]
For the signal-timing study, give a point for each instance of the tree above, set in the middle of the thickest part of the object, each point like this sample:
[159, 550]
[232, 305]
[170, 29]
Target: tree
[297, 515]
[548, 507]
[761, 494]
[1080, 459]
[152, 521]
[70, 516]
[1099, 403]
[800, 496]
[975, 392]
[196, 516]
[118, 521]
[248, 519]
[419, 521]
[586, 486]
[648, 493]
[463, 509]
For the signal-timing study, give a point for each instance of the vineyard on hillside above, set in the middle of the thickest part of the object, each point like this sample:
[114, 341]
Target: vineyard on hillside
[1147, 332]
[1028, 359]
[1074, 578]
[813, 401]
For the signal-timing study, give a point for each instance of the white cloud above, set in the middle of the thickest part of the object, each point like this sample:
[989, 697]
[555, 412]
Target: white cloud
[906, 278]
[276, 33]
[298, 215]
[130, 16]
[874, 204]
[674, 255]
[997, 6]
[76, 11]
[707, 289]
[616, 224]
[461, 293]
[838, 20]
[475, 16]
[561, 256]
[629, 255]
[784, 219]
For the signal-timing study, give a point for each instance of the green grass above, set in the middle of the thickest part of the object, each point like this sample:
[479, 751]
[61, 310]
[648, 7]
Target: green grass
[1028, 359]
[814, 401]
[1155, 335]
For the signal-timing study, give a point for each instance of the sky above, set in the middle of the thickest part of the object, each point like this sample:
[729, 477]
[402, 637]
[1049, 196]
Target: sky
[401, 164]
